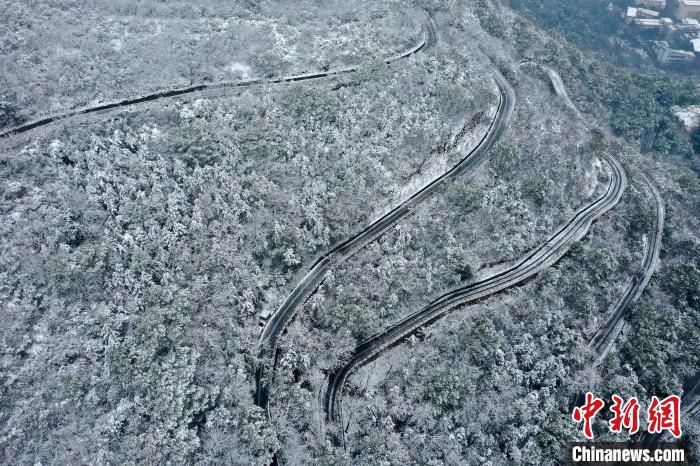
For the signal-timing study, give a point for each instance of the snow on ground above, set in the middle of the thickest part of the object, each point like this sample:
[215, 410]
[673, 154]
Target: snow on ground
[689, 116]
[435, 167]
[239, 69]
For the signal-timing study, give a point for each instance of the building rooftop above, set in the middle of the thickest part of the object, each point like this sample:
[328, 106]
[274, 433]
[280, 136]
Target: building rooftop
[648, 12]
[696, 44]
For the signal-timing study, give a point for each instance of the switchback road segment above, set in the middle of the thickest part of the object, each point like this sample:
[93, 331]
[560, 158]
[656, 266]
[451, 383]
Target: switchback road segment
[604, 338]
[279, 320]
[541, 258]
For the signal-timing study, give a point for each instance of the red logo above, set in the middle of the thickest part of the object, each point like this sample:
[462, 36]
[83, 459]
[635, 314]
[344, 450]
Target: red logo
[661, 415]
[587, 412]
[665, 415]
[625, 415]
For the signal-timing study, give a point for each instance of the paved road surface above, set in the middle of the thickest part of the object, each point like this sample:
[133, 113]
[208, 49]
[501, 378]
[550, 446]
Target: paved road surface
[603, 340]
[428, 40]
[544, 256]
[277, 323]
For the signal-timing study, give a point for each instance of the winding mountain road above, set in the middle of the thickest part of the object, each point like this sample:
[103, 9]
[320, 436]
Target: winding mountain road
[603, 340]
[541, 258]
[558, 85]
[280, 319]
[428, 40]
[605, 337]
[556, 82]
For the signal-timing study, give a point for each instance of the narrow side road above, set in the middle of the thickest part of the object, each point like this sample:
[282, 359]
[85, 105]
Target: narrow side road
[559, 87]
[605, 337]
[556, 82]
[428, 40]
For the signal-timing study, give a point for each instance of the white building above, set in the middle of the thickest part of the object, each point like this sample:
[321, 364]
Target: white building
[690, 24]
[696, 46]
[688, 9]
[645, 13]
[656, 4]
[645, 23]
[666, 55]
[687, 29]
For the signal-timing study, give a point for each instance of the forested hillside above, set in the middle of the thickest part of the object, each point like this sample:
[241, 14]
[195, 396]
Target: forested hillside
[141, 245]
